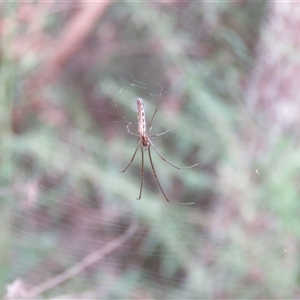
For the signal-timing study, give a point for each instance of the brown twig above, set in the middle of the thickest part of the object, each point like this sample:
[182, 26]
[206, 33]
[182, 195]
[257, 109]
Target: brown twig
[72, 36]
[79, 267]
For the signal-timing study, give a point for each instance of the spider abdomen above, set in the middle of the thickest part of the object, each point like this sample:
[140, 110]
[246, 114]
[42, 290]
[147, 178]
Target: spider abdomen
[141, 117]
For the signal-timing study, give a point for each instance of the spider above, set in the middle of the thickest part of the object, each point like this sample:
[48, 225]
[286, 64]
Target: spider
[145, 142]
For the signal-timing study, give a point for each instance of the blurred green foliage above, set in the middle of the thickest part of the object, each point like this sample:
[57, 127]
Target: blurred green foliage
[63, 142]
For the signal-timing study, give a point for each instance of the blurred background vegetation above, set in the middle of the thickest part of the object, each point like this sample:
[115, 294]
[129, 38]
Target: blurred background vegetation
[63, 142]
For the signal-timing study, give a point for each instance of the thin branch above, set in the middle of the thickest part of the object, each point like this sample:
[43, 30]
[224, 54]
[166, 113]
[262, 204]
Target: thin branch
[79, 267]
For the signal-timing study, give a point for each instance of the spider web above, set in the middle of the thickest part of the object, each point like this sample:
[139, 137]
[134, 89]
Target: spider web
[71, 226]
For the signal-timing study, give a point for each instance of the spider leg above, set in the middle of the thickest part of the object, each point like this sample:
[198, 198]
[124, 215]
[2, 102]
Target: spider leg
[124, 118]
[156, 109]
[129, 131]
[159, 134]
[155, 175]
[178, 168]
[132, 158]
[142, 175]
